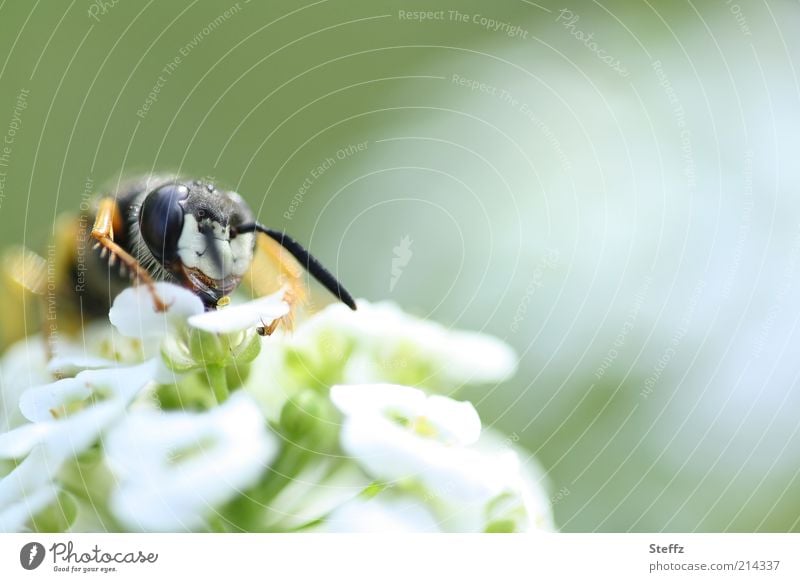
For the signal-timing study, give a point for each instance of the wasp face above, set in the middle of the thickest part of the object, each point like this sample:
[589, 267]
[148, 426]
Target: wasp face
[189, 228]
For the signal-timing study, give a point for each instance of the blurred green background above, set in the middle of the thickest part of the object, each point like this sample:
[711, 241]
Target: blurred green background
[611, 187]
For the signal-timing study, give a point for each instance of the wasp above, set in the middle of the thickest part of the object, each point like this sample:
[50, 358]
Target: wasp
[184, 231]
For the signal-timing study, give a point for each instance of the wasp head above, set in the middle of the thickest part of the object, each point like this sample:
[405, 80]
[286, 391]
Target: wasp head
[189, 228]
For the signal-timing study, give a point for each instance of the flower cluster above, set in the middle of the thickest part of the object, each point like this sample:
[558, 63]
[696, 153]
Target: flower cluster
[191, 421]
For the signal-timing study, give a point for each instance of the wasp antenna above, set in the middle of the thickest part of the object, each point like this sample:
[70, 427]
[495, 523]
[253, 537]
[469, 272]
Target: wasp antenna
[312, 265]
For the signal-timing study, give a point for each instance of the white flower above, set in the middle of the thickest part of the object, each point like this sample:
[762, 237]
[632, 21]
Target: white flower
[529, 503]
[63, 366]
[58, 434]
[377, 343]
[55, 400]
[383, 513]
[43, 448]
[256, 313]
[22, 366]
[270, 382]
[175, 468]
[27, 503]
[418, 462]
[314, 493]
[99, 345]
[397, 343]
[134, 314]
[400, 435]
[408, 413]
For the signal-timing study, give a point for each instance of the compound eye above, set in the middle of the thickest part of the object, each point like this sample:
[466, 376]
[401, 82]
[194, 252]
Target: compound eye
[161, 221]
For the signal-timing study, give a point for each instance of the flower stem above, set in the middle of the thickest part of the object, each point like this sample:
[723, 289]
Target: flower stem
[249, 512]
[218, 382]
[107, 521]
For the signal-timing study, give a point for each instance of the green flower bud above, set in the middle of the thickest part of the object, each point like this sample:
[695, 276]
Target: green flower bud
[502, 526]
[207, 348]
[309, 418]
[246, 349]
[176, 354]
[58, 516]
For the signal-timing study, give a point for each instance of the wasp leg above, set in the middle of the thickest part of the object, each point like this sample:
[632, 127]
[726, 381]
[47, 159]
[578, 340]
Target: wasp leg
[106, 221]
[265, 329]
[271, 269]
[270, 329]
[27, 269]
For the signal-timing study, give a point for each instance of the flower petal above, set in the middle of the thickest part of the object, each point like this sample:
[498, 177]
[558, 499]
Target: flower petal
[463, 425]
[134, 315]
[30, 475]
[22, 366]
[404, 348]
[14, 516]
[377, 399]
[382, 514]
[392, 454]
[259, 312]
[71, 365]
[402, 437]
[17, 443]
[30, 486]
[450, 421]
[44, 403]
[314, 493]
[175, 468]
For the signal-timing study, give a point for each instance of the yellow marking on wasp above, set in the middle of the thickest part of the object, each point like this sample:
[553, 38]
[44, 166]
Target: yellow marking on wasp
[271, 264]
[103, 232]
